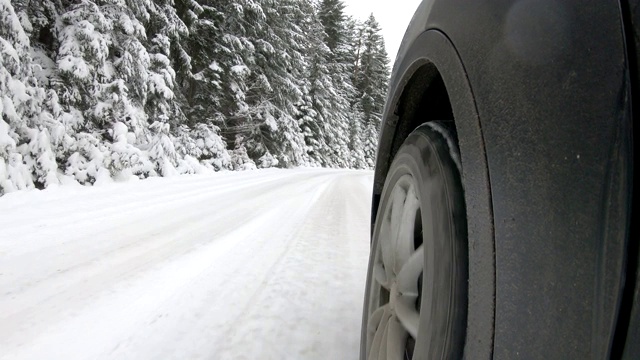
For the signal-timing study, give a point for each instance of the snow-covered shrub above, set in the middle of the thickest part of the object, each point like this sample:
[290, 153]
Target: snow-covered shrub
[125, 160]
[191, 165]
[88, 160]
[267, 160]
[14, 174]
[204, 144]
[212, 147]
[240, 160]
[39, 158]
[161, 150]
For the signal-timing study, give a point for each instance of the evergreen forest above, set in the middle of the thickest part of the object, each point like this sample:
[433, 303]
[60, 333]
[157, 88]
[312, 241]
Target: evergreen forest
[94, 91]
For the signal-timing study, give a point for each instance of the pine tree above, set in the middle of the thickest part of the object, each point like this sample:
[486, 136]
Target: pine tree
[26, 155]
[166, 32]
[331, 15]
[372, 79]
[223, 53]
[359, 156]
[279, 45]
[371, 75]
[162, 152]
[331, 86]
[291, 35]
[259, 67]
[104, 71]
[202, 85]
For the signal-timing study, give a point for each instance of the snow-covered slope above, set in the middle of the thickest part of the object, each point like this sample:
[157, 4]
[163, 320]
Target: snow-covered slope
[247, 265]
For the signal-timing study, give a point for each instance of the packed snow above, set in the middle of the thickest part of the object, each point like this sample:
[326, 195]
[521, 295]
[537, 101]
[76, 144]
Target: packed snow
[263, 264]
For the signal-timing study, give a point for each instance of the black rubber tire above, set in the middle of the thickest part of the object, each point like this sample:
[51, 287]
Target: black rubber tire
[426, 156]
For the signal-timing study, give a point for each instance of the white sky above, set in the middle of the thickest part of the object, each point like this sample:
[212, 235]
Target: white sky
[392, 15]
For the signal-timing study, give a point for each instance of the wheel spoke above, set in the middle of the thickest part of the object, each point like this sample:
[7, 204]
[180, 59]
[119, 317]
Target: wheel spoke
[385, 241]
[380, 275]
[410, 272]
[396, 340]
[405, 242]
[382, 354]
[375, 318]
[399, 197]
[408, 291]
[408, 315]
[382, 316]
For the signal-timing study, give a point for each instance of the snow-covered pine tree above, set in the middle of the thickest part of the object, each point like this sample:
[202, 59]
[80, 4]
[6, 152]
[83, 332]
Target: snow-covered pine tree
[166, 33]
[320, 110]
[333, 102]
[41, 22]
[223, 51]
[371, 76]
[164, 102]
[270, 129]
[82, 62]
[290, 42]
[161, 108]
[104, 71]
[41, 17]
[349, 56]
[26, 155]
[331, 13]
[258, 60]
[201, 86]
[358, 160]
[312, 131]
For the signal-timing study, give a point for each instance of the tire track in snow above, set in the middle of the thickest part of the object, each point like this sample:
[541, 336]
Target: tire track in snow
[195, 283]
[133, 202]
[100, 269]
[325, 255]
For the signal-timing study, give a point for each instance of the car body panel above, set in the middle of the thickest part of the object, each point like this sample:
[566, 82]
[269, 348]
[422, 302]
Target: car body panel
[556, 142]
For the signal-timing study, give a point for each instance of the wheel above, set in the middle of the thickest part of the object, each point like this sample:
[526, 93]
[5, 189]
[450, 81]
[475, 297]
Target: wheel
[416, 294]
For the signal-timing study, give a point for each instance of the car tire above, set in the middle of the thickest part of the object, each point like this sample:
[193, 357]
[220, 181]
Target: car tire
[416, 293]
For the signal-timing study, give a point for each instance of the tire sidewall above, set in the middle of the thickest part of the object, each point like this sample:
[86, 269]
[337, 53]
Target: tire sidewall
[425, 157]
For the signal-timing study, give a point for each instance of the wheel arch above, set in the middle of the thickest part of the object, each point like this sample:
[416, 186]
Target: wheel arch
[423, 98]
[429, 83]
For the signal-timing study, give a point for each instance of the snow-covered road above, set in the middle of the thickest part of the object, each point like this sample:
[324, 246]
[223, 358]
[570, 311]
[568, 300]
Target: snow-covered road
[263, 264]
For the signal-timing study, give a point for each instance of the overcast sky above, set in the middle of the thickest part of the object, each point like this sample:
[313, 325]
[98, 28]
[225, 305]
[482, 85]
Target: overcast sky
[393, 16]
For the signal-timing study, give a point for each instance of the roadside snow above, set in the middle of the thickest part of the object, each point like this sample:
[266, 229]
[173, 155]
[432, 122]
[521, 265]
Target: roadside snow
[265, 264]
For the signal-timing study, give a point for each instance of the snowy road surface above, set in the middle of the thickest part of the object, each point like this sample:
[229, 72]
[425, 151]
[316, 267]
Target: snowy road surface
[263, 264]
